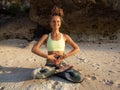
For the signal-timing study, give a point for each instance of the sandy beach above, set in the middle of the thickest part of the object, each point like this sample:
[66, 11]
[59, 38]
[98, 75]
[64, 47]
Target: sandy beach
[93, 24]
[99, 62]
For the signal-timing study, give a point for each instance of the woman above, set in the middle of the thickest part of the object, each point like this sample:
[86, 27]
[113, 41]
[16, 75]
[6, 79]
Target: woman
[56, 46]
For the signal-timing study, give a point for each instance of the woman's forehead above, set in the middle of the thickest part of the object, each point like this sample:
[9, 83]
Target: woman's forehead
[56, 18]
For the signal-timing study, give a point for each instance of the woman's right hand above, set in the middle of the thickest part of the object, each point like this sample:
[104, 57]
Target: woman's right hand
[51, 57]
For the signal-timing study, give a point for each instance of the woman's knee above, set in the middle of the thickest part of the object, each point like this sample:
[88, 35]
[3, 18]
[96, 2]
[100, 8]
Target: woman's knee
[74, 76]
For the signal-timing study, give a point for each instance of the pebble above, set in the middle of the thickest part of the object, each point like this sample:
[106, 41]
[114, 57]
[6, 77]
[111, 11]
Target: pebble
[118, 85]
[34, 59]
[2, 88]
[111, 71]
[83, 60]
[108, 82]
[91, 77]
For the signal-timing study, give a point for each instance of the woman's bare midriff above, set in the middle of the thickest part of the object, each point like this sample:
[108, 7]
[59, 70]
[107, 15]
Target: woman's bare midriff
[56, 52]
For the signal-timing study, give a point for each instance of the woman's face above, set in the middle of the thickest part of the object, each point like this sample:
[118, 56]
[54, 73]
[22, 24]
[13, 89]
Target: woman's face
[55, 22]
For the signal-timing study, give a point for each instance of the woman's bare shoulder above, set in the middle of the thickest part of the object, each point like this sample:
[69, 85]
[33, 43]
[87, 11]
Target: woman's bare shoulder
[45, 36]
[66, 36]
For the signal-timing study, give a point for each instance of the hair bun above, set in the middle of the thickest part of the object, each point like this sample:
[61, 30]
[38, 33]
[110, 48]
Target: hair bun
[57, 11]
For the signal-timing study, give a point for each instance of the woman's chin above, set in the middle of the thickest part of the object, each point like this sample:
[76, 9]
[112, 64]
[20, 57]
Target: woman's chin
[55, 28]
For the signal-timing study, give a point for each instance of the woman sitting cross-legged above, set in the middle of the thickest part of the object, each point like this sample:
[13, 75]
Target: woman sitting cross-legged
[56, 46]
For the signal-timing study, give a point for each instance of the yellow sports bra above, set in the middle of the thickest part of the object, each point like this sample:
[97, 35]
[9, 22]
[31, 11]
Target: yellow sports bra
[55, 45]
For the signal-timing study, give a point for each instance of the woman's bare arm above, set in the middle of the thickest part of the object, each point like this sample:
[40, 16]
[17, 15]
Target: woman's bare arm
[36, 47]
[73, 44]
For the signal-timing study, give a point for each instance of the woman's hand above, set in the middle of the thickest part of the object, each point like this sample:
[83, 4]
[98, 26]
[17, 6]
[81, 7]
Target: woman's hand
[51, 57]
[59, 59]
[56, 59]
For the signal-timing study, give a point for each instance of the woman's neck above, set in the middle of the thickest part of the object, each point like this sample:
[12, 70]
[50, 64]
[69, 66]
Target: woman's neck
[56, 35]
[55, 32]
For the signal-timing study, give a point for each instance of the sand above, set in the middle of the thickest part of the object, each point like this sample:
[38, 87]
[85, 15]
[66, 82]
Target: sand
[99, 62]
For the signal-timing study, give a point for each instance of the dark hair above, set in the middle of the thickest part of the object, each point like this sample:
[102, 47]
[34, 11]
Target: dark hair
[57, 11]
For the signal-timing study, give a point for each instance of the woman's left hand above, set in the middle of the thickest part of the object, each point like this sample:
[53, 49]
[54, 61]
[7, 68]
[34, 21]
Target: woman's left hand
[59, 60]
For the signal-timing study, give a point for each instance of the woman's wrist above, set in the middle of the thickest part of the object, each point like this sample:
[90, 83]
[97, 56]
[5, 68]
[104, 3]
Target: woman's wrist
[47, 56]
[64, 56]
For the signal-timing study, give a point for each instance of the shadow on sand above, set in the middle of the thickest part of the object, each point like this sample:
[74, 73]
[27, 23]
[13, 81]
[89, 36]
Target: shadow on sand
[15, 74]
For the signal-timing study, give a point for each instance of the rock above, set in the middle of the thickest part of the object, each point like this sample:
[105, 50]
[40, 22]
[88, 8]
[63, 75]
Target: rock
[117, 83]
[84, 20]
[88, 18]
[108, 82]
[91, 77]
[2, 88]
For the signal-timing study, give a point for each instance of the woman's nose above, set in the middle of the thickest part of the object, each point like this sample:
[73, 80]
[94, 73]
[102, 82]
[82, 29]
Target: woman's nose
[55, 22]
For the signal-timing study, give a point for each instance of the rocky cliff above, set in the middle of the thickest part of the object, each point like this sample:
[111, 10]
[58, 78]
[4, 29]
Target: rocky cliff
[84, 19]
